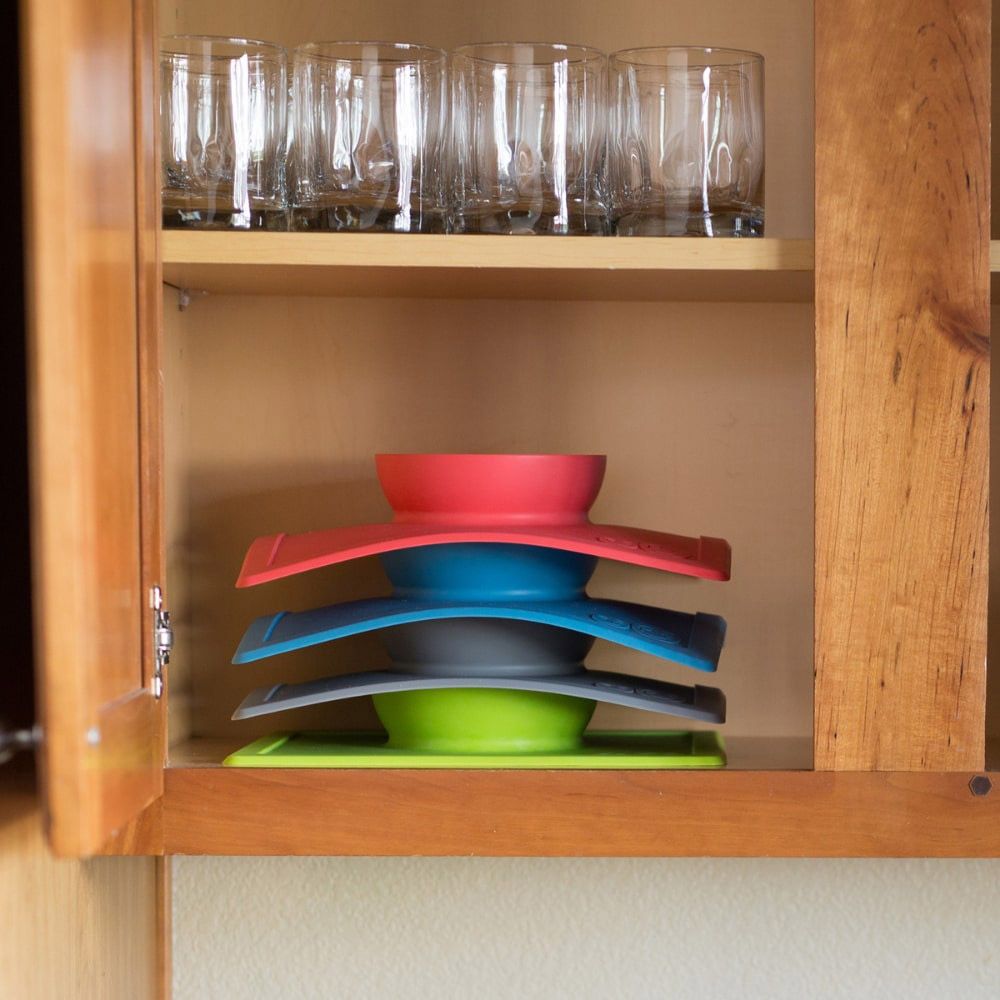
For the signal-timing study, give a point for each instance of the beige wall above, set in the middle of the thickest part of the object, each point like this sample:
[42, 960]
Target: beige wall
[475, 929]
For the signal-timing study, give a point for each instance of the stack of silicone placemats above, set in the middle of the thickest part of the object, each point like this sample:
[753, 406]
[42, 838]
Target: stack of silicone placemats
[489, 624]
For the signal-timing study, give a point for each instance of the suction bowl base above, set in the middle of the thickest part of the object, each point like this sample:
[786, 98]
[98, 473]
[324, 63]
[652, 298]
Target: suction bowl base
[652, 750]
[482, 720]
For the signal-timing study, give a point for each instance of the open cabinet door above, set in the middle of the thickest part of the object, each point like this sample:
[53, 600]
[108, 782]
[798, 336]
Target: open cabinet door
[91, 285]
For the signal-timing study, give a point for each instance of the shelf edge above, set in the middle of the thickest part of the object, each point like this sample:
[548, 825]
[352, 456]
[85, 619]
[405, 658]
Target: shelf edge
[728, 813]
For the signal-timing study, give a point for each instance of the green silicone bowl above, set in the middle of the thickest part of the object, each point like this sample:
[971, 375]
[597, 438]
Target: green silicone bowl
[483, 720]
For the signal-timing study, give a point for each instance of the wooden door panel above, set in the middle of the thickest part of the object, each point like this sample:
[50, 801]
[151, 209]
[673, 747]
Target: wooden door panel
[100, 752]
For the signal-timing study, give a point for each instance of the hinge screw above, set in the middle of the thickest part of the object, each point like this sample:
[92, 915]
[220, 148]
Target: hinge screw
[980, 785]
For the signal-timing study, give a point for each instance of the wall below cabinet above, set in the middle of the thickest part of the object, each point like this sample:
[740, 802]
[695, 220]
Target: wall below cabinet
[275, 408]
[454, 928]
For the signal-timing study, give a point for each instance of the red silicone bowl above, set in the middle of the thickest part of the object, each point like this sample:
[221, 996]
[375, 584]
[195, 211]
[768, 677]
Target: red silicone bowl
[491, 489]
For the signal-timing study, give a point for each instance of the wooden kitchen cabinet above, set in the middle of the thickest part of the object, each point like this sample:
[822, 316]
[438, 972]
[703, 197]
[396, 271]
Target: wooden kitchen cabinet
[820, 396]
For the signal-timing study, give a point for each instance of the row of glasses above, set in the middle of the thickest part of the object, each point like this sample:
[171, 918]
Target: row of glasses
[497, 138]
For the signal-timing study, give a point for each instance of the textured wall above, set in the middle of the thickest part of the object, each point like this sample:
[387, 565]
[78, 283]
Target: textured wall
[475, 929]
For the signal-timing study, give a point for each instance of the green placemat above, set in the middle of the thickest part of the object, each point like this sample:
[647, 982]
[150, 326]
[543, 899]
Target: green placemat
[622, 749]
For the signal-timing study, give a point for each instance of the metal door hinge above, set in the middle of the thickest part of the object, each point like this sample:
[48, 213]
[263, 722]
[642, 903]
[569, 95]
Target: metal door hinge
[163, 638]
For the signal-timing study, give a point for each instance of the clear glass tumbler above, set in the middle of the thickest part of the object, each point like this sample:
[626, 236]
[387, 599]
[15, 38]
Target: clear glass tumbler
[223, 120]
[529, 124]
[686, 142]
[368, 137]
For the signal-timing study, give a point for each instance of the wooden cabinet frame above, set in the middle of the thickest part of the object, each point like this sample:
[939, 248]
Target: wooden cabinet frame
[902, 384]
[902, 482]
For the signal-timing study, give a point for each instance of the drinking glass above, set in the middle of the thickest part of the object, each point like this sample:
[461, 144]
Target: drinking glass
[686, 143]
[529, 125]
[368, 124]
[223, 120]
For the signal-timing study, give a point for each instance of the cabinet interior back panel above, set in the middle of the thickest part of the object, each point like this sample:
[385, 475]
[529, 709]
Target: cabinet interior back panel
[276, 406]
[782, 30]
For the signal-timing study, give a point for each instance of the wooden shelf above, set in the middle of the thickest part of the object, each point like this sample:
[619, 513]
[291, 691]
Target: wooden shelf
[359, 265]
[766, 803]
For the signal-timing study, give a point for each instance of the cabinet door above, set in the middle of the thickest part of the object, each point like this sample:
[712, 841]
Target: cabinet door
[87, 70]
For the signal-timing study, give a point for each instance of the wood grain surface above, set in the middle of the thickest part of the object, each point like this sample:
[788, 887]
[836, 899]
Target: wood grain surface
[100, 767]
[214, 810]
[902, 383]
[149, 326]
[464, 267]
[71, 929]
